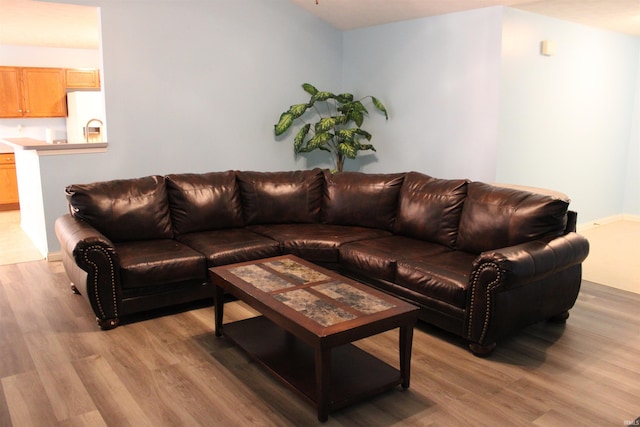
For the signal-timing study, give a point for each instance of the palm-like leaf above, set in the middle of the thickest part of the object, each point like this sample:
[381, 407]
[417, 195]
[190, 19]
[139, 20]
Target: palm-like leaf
[356, 116]
[326, 123]
[297, 110]
[349, 150]
[344, 98]
[286, 119]
[352, 134]
[364, 147]
[319, 140]
[362, 132]
[299, 139]
[380, 106]
[310, 89]
[321, 96]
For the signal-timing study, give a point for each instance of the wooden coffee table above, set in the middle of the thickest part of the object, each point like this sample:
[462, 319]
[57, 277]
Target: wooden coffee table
[310, 317]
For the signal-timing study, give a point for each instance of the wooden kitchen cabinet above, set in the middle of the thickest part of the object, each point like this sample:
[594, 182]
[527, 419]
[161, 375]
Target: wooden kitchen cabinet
[32, 92]
[8, 183]
[10, 92]
[82, 78]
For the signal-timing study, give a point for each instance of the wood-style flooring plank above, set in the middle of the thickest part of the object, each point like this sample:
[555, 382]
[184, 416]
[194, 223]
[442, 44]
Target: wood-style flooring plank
[115, 402]
[27, 400]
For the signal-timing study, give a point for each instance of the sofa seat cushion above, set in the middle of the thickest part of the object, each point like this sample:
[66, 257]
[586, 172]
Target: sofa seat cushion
[430, 208]
[378, 257]
[230, 246]
[433, 310]
[207, 201]
[158, 262]
[444, 276]
[316, 242]
[361, 199]
[281, 197]
[496, 217]
[125, 209]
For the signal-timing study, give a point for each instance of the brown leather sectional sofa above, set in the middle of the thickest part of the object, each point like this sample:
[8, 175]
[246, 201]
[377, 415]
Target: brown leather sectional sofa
[481, 261]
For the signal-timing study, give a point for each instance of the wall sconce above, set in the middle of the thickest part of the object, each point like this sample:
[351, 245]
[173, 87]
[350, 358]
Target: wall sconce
[548, 48]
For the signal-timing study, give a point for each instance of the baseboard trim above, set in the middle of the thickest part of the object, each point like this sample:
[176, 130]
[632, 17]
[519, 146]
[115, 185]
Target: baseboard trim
[54, 256]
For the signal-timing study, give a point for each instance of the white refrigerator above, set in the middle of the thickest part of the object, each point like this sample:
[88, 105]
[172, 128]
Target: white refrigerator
[86, 119]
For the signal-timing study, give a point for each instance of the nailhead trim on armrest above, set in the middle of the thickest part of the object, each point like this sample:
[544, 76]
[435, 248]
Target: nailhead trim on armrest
[490, 286]
[95, 276]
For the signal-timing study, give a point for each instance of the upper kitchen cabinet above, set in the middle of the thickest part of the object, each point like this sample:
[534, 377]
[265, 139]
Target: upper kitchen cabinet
[32, 92]
[82, 78]
[10, 92]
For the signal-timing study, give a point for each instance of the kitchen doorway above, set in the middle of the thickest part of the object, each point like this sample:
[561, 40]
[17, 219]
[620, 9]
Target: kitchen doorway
[49, 35]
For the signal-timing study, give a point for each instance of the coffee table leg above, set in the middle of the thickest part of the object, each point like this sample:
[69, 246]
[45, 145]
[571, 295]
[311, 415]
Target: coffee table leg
[219, 308]
[323, 372]
[406, 342]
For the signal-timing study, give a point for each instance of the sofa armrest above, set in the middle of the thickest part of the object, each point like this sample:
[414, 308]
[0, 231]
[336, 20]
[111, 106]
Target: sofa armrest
[92, 264]
[513, 287]
[532, 260]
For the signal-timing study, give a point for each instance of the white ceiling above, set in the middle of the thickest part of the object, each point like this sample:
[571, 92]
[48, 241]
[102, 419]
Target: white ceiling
[29, 22]
[617, 15]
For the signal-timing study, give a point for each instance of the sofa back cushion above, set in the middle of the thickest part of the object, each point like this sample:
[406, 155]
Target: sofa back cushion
[207, 201]
[429, 208]
[124, 210]
[366, 200]
[495, 217]
[281, 197]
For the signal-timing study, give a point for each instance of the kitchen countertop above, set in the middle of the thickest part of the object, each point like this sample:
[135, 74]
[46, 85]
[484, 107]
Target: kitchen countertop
[43, 148]
[4, 148]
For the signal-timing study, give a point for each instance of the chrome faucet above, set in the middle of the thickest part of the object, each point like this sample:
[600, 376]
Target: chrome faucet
[86, 128]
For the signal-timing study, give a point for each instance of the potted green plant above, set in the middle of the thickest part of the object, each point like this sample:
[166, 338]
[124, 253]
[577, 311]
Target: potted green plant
[338, 126]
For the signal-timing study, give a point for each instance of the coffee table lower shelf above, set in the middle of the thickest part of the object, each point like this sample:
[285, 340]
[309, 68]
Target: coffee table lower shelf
[355, 374]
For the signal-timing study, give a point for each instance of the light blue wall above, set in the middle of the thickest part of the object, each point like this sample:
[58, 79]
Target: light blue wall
[566, 120]
[439, 77]
[632, 182]
[471, 96]
[195, 86]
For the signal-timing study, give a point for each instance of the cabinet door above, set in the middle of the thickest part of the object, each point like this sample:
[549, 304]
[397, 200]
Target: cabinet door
[10, 93]
[44, 92]
[82, 78]
[8, 179]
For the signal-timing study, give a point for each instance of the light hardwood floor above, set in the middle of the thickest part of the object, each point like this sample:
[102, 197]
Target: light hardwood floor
[614, 254]
[15, 246]
[58, 369]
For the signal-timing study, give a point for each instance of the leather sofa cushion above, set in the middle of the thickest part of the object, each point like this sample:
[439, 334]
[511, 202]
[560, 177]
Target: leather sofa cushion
[378, 257]
[443, 277]
[496, 217]
[430, 208]
[206, 201]
[159, 262]
[316, 242]
[361, 199]
[281, 197]
[229, 246]
[124, 210]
